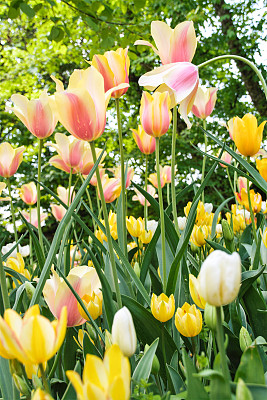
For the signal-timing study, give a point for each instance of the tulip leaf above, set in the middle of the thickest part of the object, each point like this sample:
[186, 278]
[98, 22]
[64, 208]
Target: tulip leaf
[217, 246]
[6, 381]
[16, 274]
[143, 368]
[216, 215]
[70, 392]
[89, 347]
[195, 388]
[176, 379]
[253, 304]
[248, 277]
[59, 234]
[250, 368]
[259, 392]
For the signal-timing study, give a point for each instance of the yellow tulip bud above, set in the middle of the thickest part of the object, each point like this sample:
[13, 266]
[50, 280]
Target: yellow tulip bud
[146, 236]
[188, 320]
[162, 307]
[247, 135]
[194, 291]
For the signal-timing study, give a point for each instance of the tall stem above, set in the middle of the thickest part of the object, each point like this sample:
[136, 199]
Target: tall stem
[220, 341]
[31, 258]
[124, 231]
[39, 195]
[109, 239]
[234, 57]
[146, 207]
[162, 222]
[204, 160]
[12, 212]
[251, 213]
[89, 200]
[69, 194]
[174, 132]
[230, 181]
[3, 284]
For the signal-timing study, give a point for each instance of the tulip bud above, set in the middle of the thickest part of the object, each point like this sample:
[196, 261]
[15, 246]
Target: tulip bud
[181, 223]
[21, 385]
[228, 235]
[162, 307]
[91, 331]
[194, 291]
[123, 332]
[194, 248]
[244, 339]
[30, 289]
[220, 278]
[37, 383]
[155, 363]
[137, 269]
[108, 339]
[211, 317]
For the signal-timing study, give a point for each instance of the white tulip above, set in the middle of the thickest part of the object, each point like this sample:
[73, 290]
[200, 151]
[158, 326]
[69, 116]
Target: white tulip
[208, 207]
[181, 223]
[220, 278]
[123, 332]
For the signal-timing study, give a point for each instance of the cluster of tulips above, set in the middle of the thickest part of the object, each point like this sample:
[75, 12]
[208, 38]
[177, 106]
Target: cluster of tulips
[121, 286]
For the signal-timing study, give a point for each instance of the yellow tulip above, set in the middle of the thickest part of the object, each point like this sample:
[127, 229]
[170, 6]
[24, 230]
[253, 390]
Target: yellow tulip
[262, 167]
[255, 199]
[146, 236]
[247, 135]
[32, 338]
[199, 234]
[162, 307]
[40, 394]
[93, 304]
[135, 226]
[103, 380]
[18, 265]
[194, 291]
[188, 320]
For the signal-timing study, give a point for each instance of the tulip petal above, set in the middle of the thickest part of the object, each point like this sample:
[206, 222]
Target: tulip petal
[162, 33]
[146, 43]
[95, 372]
[75, 379]
[183, 42]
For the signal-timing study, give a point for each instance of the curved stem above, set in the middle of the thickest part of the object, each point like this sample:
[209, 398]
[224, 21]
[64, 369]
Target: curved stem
[234, 57]
[124, 232]
[39, 195]
[3, 284]
[162, 222]
[204, 160]
[12, 212]
[146, 207]
[110, 247]
[220, 341]
[174, 132]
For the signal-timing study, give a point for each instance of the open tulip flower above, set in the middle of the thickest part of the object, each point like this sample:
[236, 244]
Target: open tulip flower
[114, 67]
[32, 338]
[162, 307]
[188, 320]
[57, 294]
[59, 211]
[204, 102]
[2, 187]
[37, 114]
[111, 188]
[93, 304]
[107, 379]
[82, 107]
[139, 197]
[102, 172]
[145, 142]
[163, 178]
[28, 193]
[247, 135]
[32, 218]
[135, 226]
[199, 234]
[173, 45]
[87, 163]
[10, 159]
[18, 265]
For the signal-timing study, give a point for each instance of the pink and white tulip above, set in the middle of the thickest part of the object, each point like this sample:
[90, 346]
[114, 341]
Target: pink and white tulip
[32, 217]
[93, 180]
[59, 211]
[227, 158]
[173, 45]
[204, 102]
[155, 113]
[111, 188]
[57, 294]
[10, 159]
[130, 174]
[139, 197]
[28, 193]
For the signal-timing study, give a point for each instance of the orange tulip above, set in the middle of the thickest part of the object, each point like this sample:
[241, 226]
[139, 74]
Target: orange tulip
[114, 67]
[10, 159]
[145, 142]
[155, 113]
[37, 114]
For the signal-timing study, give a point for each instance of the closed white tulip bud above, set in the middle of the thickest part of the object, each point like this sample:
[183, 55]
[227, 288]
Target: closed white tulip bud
[181, 223]
[220, 278]
[123, 332]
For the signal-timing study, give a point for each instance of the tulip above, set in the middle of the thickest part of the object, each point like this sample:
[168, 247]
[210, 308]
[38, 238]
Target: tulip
[153, 178]
[123, 332]
[173, 45]
[135, 226]
[155, 113]
[255, 199]
[10, 159]
[262, 167]
[17, 264]
[114, 67]
[146, 236]
[57, 294]
[211, 317]
[181, 223]
[32, 338]
[93, 180]
[37, 115]
[32, 217]
[106, 380]
[199, 235]
[28, 193]
[188, 320]
[264, 237]
[145, 142]
[238, 221]
[244, 339]
[194, 291]
[220, 278]
[130, 173]
[227, 158]
[241, 183]
[2, 187]
[167, 172]
[24, 250]
[204, 102]
[111, 188]
[230, 127]
[87, 162]
[82, 107]
[58, 211]
[139, 197]
[247, 135]
[93, 304]
[162, 307]
[180, 80]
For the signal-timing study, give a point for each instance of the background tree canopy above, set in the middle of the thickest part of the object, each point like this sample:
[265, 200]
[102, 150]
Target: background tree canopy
[40, 38]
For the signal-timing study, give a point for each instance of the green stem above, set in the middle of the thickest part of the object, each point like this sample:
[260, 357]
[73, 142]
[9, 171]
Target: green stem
[12, 212]
[162, 222]
[159, 385]
[124, 231]
[251, 213]
[146, 207]
[220, 341]
[174, 132]
[109, 239]
[89, 200]
[98, 205]
[193, 341]
[168, 194]
[3, 284]
[230, 181]
[204, 160]
[234, 57]
[69, 194]
[39, 195]
[54, 366]
[45, 382]
[31, 257]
